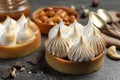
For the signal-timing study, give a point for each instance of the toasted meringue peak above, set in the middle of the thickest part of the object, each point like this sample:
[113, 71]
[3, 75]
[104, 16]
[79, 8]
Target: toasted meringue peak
[64, 30]
[25, 34]
[22, 20]
[32, 26]
[97, 42]
[2, 29]
[58, 46]
[78, 26]
[74, 38]
[8, 38]
[88, 29]
[80, 52]
[8, 21]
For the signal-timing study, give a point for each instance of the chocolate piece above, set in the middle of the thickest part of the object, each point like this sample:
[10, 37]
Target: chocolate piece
[34, 61]
[118, 15]
[111, 32]
[5, 74]
[95, 3]
[111, 41]
[34, 70]
[18, 65]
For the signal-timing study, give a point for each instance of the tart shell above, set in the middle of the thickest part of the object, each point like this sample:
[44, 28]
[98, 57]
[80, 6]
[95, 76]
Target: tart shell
[20, 50]
[75, 68]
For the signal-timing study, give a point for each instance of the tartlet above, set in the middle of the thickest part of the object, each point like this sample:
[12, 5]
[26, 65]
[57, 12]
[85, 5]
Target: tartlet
[46, 26]
[11, 47]
[75, 49]
[75, 68]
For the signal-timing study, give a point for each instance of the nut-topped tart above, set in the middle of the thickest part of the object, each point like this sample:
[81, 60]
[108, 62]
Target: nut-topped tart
[48, 17]
[75, 49]
[18, 38]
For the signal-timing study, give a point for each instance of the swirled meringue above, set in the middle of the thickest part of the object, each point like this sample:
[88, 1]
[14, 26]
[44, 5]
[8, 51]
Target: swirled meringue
[32, 26]
[2, 29]
[97, 42]
[8, 38]
[25, 34]
[58, 45]
[75, 32]
[22, 20]
[80, 52]
[64, 30]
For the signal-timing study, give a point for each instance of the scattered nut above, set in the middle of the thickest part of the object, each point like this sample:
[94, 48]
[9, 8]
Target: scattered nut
[95, 3]
[72, 7]
[17, 65]
[85, 12]
[112, 53]
[29, 72]
[22, 69]
[13, 73]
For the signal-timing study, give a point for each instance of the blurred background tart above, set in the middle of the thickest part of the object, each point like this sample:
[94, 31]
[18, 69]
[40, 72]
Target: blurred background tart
[48, 17]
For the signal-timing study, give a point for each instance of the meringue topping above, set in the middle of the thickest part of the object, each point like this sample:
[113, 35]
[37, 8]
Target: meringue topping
[80, 52]
[13, 33]
[97, 42]
[64, 30]
[75, 32]
[9, 21]
[66, 41]
[8, 38]
[22, 21]
[58, 45]
[25, 34]
[32, 26]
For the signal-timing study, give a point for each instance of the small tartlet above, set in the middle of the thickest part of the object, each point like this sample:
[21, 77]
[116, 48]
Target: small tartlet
[8, 51]
[75, 49]
[75, 68]
[45, 27]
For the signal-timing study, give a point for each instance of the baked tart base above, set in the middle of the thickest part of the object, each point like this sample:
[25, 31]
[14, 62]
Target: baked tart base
[20, 50]
[75, 68]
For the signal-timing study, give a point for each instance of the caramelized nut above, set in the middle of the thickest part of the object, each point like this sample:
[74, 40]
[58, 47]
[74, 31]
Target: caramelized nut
[56, 19]
[61, 13]
[71, 19]
[41, 13]
[66, 18]
[48, 9]
[50, 13]
[43, 18]
[51, 22]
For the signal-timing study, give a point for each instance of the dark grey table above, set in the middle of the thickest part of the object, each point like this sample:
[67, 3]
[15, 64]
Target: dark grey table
[110, 70]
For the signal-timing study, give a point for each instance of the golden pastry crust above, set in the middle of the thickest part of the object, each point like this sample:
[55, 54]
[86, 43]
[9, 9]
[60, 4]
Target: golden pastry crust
[75, 68]
[20, 50]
